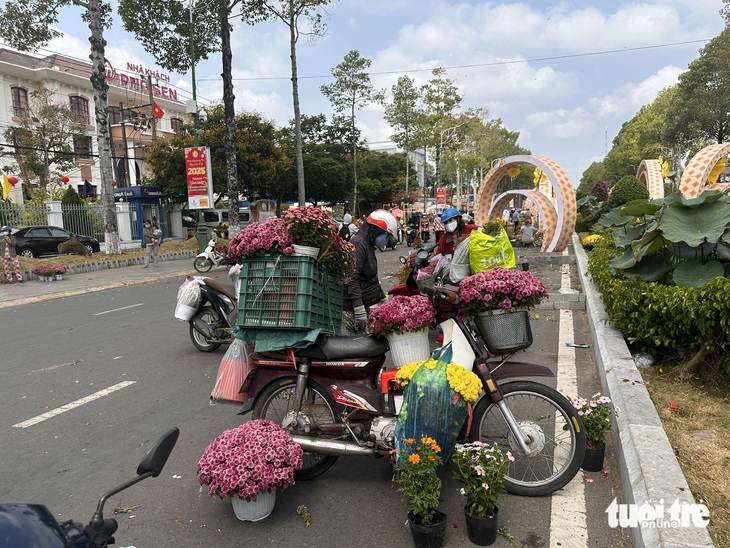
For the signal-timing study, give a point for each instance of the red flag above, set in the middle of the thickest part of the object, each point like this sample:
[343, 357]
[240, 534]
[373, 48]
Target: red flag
[158, 111]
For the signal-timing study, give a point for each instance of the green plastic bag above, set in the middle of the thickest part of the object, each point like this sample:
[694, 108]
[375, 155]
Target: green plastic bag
[487, 252]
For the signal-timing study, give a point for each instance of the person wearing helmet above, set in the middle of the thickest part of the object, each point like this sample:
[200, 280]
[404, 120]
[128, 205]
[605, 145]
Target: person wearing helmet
[10, 259]
[364, 291]
[455, 229]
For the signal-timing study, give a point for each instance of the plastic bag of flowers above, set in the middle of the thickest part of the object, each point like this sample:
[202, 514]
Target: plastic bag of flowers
[188, 298]
[436, 400]
[249, 459]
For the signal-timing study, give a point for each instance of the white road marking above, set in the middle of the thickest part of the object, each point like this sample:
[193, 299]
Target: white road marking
[118, 309]
[568, 526]
[74, 404]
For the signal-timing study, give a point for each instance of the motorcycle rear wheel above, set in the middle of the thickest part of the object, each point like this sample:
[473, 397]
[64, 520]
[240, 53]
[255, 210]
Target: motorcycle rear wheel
[317, 407]
[549, 421]
[202, 264]
[208, 315]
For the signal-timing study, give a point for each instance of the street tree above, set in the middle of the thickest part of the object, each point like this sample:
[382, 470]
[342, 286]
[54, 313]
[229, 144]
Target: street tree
[31, 23]
[350, 92]
[403, 114]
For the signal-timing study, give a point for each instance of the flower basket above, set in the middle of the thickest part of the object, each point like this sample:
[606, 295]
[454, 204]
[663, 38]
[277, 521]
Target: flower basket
[409, 347]
[257, 239]
[504, 332]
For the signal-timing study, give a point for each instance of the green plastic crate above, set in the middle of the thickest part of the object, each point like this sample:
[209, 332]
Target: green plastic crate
[281, 292]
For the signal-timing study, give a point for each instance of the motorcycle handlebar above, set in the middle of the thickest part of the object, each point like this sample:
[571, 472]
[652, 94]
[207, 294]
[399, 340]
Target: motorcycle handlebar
[110, 526]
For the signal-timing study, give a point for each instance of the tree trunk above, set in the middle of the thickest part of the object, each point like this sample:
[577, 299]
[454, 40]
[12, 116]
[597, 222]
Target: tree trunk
[355, 206]
[230, 116]
[101, 109]
[694, 363]
[297, 113]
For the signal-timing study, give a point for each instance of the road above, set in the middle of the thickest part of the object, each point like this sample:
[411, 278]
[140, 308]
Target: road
[124, 348]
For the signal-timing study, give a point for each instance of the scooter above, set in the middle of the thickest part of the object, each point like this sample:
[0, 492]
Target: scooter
[216, 314]
[211, 257]
[411, 235]
[392, 243]
[34, 525]
[336, 398]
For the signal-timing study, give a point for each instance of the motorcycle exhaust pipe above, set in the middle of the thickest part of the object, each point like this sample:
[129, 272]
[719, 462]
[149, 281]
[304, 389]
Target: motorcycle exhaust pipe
[332, 447]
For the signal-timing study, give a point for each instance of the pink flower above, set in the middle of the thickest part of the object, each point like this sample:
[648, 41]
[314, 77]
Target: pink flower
[270, 236]
[500, 288]
[401, 314]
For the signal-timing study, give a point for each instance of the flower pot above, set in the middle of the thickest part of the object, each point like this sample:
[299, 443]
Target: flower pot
[254, 510]
[409, 347]
[305, 251]
[593, 459]
[428, 536]
[504, 332]
[45, 278]
[59, 276]
[482, 531]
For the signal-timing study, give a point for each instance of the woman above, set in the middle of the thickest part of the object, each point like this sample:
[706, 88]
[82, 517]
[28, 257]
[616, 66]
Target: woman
[364, 291]
[455, 229]
[10, 259]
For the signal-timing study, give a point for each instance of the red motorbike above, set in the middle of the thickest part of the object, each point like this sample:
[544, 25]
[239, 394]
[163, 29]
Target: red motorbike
[337, 398]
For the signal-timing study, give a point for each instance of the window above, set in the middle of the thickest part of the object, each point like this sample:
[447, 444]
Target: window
[80, 108]
[20, 101]
[82, 146]
[115, 115]
[176, 124]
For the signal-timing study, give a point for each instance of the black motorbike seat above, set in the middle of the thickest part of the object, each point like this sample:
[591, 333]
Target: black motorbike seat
[338, 347]
[223, 286]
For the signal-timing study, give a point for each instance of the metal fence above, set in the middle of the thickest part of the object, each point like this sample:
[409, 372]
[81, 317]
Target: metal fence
[86, 219]
[17, 215]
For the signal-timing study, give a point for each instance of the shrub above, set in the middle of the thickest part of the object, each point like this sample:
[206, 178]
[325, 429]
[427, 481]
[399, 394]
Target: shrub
[73, 247]
[627, 189]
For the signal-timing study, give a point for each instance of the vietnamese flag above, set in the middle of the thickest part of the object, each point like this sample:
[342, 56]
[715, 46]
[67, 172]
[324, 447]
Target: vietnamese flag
[158, 111]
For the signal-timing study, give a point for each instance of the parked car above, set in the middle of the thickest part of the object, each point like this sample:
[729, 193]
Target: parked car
[37, 241]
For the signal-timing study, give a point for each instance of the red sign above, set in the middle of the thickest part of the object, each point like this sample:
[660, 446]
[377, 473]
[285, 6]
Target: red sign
[197, 170]
[442, 196]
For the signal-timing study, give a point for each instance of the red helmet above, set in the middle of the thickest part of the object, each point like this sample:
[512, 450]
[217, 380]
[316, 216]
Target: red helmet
[384, 220]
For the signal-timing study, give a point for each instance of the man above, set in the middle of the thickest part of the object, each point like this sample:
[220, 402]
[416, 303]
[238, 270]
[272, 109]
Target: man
[10, 259]
[150, 246]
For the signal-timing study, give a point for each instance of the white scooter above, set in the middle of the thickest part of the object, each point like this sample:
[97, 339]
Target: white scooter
[210, 258]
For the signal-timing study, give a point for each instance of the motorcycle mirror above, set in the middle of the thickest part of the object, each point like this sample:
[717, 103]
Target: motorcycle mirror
[155, 459]
[402, 259]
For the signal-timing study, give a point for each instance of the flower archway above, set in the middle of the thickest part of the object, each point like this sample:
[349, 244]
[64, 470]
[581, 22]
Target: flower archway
[541, 202]
[559, 222]
[694, 178]
[650, 173]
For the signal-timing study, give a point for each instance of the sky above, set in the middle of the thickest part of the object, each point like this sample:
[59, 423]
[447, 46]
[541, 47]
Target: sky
[565, 75]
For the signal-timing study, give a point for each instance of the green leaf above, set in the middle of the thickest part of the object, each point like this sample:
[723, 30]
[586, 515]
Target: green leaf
[613, 218]
[639, 208]
[696, 274]
[694, 225]
[650, 268]
[624, 261]
[628, 233]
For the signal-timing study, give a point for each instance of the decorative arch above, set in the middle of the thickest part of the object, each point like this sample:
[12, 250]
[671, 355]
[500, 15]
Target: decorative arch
[561, 225]
[650, 173]
[541, 202]
[694, 178]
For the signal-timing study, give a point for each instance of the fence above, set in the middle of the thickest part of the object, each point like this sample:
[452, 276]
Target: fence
[17, 215]
[86, 219]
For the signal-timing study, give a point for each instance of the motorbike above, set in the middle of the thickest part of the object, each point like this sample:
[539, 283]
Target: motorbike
[337, 399]
[411, 235]
[211, 257]
[215, 315]
[392, 243]
[31, 525]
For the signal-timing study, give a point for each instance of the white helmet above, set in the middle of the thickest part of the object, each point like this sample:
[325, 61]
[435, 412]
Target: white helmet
[384, 220]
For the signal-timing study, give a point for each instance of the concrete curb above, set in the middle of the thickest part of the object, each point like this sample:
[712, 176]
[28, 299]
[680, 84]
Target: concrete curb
[649, 469]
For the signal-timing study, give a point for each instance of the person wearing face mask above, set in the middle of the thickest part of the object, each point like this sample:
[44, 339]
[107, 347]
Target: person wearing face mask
[455, 228]
[364, 291]
[10, 259]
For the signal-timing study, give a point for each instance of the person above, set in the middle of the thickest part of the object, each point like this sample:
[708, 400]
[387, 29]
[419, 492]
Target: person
[347, 228]
[378, 229]
[10, 258]
[506, 215]
[151, 249]
[438, 228]
[527, 233]
[516, 219]
[424, 224]
[455, 228]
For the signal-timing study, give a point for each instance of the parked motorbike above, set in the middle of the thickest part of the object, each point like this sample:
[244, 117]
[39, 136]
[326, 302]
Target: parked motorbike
[34, 525]
[216, 314]
[211, 257]
[336, 398]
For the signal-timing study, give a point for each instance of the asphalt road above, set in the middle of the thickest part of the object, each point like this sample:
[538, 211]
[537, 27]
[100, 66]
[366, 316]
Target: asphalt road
[59, 351]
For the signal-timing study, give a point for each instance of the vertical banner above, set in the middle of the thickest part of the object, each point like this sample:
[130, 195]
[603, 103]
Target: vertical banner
[199, 177]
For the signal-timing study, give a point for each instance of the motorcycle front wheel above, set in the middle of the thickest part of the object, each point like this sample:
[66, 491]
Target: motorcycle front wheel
[275, 402]
[209, 317]
[202, 264]
[555, 438]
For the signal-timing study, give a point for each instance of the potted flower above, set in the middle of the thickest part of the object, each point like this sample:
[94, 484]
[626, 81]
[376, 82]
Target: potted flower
[44, 272]
[248, 464]
[59, 270]
[597, 414]
[481, 467]
[415, 474]
[256, 239]
[404, 321]
[338, 256]
[309, 227]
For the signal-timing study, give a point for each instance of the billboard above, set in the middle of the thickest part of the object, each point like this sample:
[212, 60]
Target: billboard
[199, 177]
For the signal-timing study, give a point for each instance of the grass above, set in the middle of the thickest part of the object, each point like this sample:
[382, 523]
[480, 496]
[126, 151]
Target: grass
[696, 418]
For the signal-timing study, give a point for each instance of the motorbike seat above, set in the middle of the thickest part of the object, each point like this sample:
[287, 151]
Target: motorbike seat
[224, 286]
[337, 347]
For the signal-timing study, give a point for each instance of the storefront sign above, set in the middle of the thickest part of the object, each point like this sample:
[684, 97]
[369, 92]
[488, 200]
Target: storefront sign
[199, 177]
[123, 194]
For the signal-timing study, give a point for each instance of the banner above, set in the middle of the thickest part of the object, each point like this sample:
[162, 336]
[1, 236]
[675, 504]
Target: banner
[199, 177]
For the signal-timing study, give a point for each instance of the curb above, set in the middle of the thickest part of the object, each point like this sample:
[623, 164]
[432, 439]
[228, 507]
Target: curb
[648, 467]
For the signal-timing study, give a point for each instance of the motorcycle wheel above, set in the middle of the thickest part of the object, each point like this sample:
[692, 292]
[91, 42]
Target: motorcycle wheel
[317, 407]
[549, 422]
[202, 264]
[207, 315]
[382, 247]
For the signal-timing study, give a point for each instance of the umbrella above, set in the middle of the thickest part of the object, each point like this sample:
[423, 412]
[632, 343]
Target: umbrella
[397, 212]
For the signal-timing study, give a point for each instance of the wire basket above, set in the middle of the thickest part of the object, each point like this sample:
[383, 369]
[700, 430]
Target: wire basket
[504, 332]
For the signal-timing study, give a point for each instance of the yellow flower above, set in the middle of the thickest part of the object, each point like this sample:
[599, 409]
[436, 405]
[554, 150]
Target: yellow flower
[715, 173]
[404, 374]
[430, 364]
[593, 239]
[408, 441]
[513, 172]
[665, 167]
[466, 383]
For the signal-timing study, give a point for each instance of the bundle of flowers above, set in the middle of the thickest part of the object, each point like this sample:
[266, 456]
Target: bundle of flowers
[589, 241]
[481, 468]
[500, 288]
[244, 461]
[401, 314]
[415, 473]
[338, 256]
[596, 415]
[270, 236]
[466, 383]
[43, 270]
[59, 269]
[309, 226]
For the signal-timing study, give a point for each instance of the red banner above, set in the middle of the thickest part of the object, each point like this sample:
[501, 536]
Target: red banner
[197, 169]
[442, 196]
